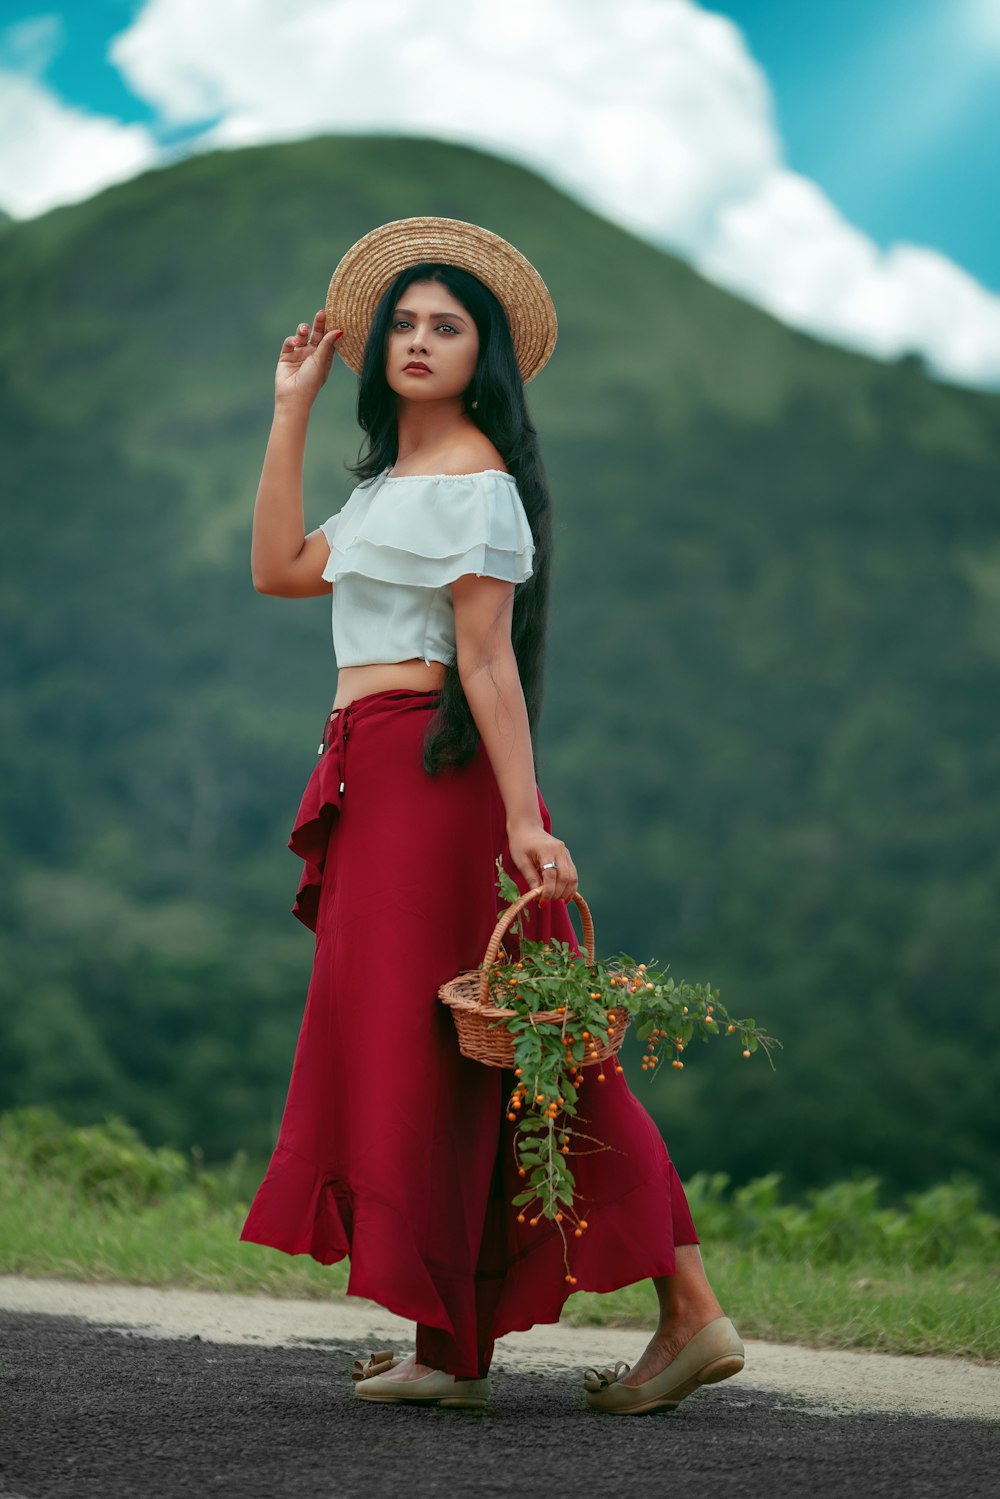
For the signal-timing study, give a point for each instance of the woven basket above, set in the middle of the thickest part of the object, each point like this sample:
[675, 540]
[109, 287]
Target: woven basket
[482, 1025]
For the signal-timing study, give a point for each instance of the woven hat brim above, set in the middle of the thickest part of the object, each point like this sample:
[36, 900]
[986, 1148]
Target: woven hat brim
[373, 262]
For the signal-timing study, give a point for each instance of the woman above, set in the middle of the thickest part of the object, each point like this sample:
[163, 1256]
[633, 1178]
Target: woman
[394, 1148]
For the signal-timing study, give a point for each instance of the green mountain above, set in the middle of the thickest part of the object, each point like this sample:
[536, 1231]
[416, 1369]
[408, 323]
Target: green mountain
[771, 735]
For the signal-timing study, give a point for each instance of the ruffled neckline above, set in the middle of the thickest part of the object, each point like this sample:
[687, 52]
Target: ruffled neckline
[433, 533]
[389, 477]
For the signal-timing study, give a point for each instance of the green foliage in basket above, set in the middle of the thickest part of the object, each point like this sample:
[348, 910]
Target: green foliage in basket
[556, 1058]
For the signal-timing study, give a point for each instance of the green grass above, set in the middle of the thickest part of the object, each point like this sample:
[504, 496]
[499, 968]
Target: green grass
[940, 1311]
[47, 1229]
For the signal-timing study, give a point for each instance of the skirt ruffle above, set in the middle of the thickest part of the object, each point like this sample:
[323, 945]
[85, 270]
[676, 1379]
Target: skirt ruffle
[310, 835]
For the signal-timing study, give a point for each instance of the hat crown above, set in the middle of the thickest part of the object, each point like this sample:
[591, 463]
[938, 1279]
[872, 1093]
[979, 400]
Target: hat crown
[373, 262]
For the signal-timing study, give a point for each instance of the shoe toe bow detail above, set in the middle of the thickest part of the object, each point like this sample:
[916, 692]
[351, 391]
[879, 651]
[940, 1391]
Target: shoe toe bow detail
[378, 1363]
[599, 1379]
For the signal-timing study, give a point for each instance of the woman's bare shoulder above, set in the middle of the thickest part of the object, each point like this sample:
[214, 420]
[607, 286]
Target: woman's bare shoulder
[470, 455]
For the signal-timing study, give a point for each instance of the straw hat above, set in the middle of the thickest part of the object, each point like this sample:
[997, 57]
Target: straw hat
[374, 261]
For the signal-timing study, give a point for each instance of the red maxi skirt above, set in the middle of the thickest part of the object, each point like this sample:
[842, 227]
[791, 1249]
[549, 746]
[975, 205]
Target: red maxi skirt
[393, 1148]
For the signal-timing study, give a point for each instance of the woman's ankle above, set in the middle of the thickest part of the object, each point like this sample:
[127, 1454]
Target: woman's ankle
[689, 1303]
[694, 1313]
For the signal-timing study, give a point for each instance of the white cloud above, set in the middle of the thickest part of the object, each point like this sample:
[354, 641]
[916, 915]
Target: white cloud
[650, 110]
[653, 112]
[786, 248]
[52, 154]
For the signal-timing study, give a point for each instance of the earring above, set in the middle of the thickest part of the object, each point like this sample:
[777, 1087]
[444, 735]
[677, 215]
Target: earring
[474, 405]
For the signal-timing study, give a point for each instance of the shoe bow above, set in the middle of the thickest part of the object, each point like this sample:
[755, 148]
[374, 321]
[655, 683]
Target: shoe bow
[378, 1363]
[599, 1379]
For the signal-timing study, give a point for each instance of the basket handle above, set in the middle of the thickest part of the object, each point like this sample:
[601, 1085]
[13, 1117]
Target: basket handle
[506, 917]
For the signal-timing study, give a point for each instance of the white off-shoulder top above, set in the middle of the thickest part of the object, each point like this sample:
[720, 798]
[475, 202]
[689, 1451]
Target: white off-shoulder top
[398, 544]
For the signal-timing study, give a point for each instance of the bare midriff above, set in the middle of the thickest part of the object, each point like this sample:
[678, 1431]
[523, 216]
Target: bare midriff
[381, 676]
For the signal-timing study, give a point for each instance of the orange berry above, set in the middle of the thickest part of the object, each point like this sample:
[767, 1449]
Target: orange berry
[564, 1150]
[520, 1217]
[578, 1233]
[746, 1053]
[559, 1217]
[601, 1078]
[533, 1222]
[511, 1114]
[518, 1071]
[521, 1171]
[583, 1223]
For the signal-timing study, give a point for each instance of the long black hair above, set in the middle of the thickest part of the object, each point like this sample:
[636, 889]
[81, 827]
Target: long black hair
[500, 411]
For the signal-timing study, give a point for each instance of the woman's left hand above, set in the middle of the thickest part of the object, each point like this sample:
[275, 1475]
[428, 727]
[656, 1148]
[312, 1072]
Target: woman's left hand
[531, 847]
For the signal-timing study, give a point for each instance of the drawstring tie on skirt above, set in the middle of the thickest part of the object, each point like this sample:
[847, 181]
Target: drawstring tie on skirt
[335, 731]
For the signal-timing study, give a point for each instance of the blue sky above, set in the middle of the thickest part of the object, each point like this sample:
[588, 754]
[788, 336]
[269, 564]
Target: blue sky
[858, 126]
[864, 110]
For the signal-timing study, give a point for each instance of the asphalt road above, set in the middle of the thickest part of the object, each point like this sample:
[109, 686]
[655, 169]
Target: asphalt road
[115, 1414]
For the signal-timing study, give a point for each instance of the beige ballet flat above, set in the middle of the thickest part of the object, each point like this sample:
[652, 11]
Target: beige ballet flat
[714, 1353]
[436, 1387]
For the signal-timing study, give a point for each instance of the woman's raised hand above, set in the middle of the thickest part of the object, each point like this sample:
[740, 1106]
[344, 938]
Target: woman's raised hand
[306, 360]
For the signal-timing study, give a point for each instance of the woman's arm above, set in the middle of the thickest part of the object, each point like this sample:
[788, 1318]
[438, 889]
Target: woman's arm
[283, 560]
[488, 671]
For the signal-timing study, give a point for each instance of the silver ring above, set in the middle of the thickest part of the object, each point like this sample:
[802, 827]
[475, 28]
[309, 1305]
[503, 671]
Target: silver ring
[549, 866]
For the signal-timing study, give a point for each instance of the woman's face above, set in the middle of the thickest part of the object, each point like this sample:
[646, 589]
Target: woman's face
[430, 327]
